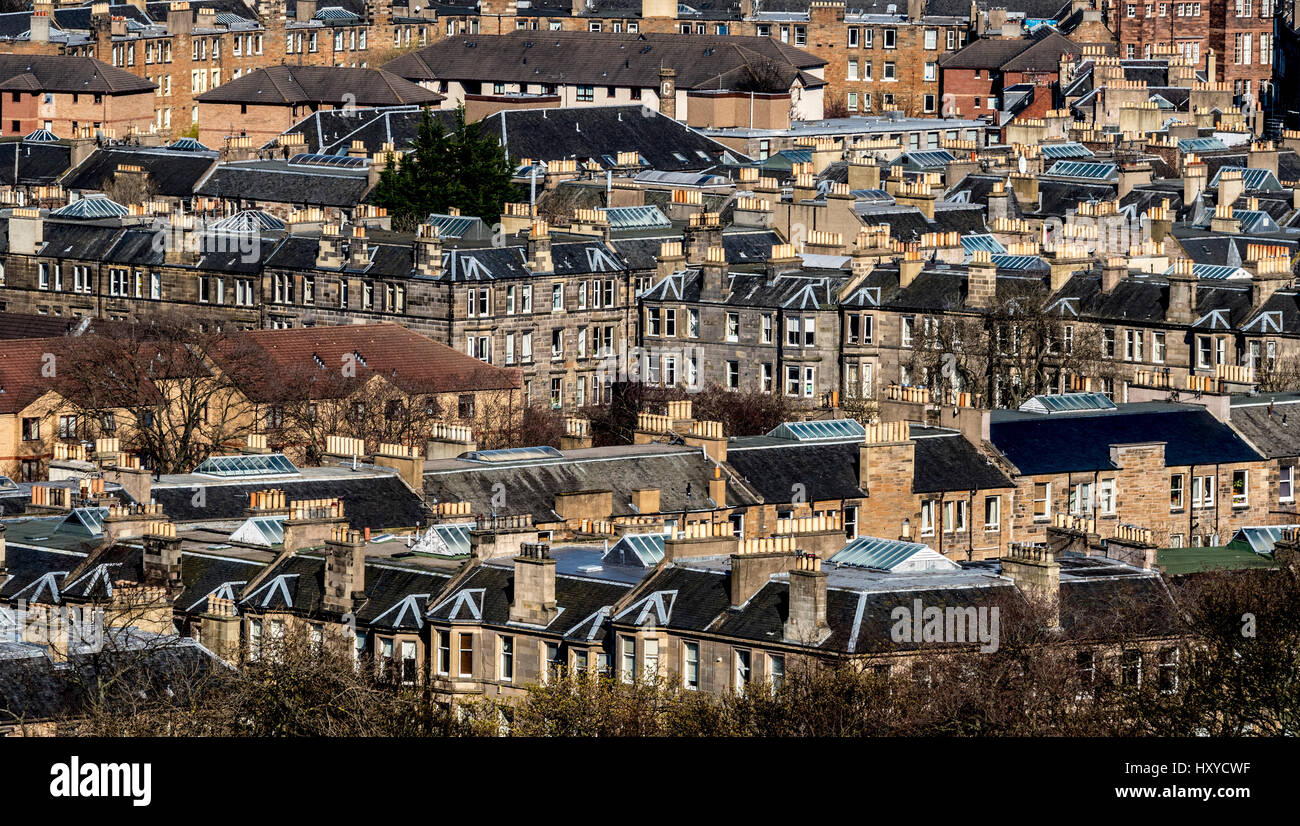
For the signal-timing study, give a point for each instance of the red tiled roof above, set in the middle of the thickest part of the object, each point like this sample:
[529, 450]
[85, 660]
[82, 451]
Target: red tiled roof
[414, 363]
[21, 382]
[25, 325]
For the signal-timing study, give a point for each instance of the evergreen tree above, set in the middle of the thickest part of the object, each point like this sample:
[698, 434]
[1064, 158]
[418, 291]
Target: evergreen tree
[456, 167]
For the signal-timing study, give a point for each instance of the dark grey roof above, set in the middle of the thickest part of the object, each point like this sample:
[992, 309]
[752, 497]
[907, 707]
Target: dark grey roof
[1063, 443]
[289, 85]
[378, 502]
[1270, 422]
[602, 59]
[33, 164]
[779, 471]
[332, 131]
[172, 174]
[681, 474]
[947, 461]
[65, 73]
[277, 182]
[491, 586]
[601, 132]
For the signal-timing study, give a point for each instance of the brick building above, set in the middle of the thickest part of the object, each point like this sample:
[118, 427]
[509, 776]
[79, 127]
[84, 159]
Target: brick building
[976, 78]
[266, 102]
[71, 96]
[1232, 40]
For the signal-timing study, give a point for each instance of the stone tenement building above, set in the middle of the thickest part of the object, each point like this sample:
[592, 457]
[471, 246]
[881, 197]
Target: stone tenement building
[483, 605]
[559, 309]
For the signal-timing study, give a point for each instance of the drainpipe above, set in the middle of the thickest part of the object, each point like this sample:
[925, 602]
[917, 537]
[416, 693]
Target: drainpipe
[970, 527]
[1216, 500]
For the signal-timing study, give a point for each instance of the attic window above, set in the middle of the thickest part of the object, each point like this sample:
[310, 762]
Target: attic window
[360, 358]
[320, 362]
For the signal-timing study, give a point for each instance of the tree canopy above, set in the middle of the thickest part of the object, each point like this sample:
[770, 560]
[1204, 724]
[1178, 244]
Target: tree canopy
[450, 166]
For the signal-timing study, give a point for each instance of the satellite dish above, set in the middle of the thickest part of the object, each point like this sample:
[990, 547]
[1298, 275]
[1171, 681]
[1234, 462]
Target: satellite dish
[1022, 165]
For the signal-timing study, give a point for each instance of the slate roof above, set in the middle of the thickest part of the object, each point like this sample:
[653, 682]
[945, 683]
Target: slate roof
[207, 575]
[332, 131]
[173, 174]
[278, 182]
[1066, 443]
[378, 501]
[27, 565]
[489, 264]
[681, 474]
[776, 469]
[23, 163]
[291, 85]
[601, 59]
[945, 461]
[740, 248]
[22, 325]
[577, 599]
[65, 73]
[1270, 422]
[601, 132]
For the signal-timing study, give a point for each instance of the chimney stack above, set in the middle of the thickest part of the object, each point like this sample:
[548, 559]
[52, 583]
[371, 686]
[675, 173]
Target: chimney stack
[668, 93]
[981, 280]
[539, 247]
[329, 251]
[910, 264]
[162, 556]
[26, 231]
[1231, 185]
[750, 572]
[1112, 272]
[534, 586]
[670, 259]
[345, 570]
[1037, 574]
[806, 617]
[1194, 177]
[714, 271]
[358, 249]
[40, 26]
[1182, 293]
[428, 251]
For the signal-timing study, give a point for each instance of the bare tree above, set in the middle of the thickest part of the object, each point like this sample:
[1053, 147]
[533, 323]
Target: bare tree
[169, 388]
[1021, 348]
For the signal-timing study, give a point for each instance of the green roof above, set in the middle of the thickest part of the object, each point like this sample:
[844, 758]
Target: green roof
[1234, 555]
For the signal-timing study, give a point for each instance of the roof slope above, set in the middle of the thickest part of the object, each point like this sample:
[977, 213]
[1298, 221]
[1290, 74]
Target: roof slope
[602, 59]
[594, 131]
[378, 501]
[681, 474]
[414, 363]
[173, 174]
[65, 73]
[287, 85]
[1063, 443]
[1272, 425]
